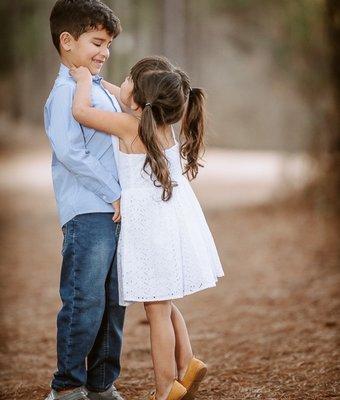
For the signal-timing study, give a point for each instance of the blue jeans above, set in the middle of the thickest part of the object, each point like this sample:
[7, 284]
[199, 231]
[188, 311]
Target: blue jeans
[90, 322]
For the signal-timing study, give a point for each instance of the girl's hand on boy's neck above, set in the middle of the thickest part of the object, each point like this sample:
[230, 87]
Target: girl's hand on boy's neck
[81, 75]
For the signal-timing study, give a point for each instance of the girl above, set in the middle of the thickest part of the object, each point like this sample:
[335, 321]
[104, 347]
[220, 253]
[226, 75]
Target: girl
[165, 250]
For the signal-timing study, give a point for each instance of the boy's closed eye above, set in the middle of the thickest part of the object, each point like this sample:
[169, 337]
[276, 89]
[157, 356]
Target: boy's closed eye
[98, 44]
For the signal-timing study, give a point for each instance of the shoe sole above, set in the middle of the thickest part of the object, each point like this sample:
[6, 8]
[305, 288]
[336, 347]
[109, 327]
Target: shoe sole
[193, 388]
[183, 396]
[73, 396]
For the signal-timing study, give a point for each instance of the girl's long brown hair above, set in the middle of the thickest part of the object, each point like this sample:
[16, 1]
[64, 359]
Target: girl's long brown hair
[165, 96]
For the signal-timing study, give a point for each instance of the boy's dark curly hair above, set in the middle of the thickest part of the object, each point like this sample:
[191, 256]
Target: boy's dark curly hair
[79, 16]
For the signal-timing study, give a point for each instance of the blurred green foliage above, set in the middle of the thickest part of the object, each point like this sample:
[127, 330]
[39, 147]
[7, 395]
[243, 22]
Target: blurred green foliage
[296, 34]
[288, 37]
[296, 26]
[22, 29]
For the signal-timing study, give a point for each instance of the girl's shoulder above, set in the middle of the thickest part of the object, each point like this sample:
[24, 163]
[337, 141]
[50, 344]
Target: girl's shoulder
[126, 123]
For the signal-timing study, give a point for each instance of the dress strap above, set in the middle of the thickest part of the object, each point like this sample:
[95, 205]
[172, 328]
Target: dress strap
[173, 134]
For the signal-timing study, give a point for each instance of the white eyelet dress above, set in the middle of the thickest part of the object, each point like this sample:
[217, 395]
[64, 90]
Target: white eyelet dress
[165, 249]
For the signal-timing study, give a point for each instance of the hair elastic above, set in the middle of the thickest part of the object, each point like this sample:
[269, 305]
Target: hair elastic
[148, 105]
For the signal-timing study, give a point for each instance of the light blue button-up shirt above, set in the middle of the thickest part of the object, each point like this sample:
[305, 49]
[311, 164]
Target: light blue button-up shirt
[84, 170]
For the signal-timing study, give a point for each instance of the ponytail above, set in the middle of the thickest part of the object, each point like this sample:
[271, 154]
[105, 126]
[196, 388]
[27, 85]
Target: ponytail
[155, 156]
[192, 132]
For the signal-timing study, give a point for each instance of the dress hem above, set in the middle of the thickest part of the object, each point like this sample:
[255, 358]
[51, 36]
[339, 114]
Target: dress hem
[133, 301]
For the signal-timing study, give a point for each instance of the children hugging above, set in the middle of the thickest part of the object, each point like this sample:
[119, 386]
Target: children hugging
[133, 229]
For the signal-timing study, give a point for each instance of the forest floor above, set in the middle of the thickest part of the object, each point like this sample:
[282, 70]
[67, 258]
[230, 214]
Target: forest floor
[269, 330]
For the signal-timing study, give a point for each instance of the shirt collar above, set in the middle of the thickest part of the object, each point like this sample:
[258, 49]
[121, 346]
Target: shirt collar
[65, 71]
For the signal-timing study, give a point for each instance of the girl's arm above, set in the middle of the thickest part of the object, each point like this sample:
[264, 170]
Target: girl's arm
[115, 90]
[113, 123]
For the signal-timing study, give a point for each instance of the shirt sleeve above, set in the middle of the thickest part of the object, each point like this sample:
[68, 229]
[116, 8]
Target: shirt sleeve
[67, 141]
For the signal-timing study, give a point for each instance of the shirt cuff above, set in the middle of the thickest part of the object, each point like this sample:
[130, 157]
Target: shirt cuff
[111, 199]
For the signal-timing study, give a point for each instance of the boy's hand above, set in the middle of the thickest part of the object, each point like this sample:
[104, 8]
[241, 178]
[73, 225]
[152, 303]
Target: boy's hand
[116, 216]
[81, 74]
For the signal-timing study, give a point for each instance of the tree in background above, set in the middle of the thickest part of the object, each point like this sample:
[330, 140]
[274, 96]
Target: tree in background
[333, 170]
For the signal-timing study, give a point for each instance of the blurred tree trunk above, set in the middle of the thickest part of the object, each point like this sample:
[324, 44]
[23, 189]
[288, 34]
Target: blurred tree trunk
[333, 25]
[11, 26]
[174, 30]
[28, 58]
[333, 16]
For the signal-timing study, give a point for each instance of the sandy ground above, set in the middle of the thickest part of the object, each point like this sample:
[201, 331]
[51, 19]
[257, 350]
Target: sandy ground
[269, 330]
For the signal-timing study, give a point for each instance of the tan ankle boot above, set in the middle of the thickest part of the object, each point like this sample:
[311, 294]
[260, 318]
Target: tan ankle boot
[177, 392]
[194, 375]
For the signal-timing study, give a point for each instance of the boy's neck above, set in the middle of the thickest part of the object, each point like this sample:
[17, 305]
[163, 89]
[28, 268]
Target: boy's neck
[66, 62]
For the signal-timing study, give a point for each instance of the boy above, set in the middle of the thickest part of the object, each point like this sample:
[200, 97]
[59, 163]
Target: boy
[85, 180]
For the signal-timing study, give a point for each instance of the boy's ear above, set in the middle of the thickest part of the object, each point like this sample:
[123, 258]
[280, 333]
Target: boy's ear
[66, 41]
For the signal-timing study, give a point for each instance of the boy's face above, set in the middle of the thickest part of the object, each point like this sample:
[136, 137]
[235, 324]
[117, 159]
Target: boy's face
[91, 49]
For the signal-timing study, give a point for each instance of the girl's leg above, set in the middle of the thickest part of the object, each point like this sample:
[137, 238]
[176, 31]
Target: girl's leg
[183, 349]
[162, 337]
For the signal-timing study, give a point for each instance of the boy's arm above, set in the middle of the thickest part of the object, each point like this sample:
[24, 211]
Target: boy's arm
[67, 141]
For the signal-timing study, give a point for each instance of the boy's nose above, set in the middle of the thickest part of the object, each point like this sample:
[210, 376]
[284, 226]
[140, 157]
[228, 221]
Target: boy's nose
[105, 53]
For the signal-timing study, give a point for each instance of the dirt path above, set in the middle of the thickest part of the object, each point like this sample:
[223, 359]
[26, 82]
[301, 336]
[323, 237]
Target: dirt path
[268, 331]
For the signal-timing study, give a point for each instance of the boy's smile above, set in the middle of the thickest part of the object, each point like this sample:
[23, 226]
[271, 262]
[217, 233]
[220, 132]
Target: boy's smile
[91, 50]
